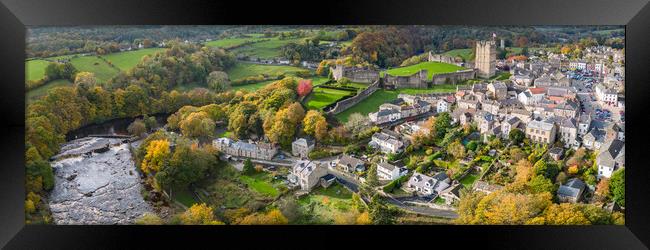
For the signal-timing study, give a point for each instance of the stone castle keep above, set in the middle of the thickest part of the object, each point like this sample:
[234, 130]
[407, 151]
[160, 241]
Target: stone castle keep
[486, 56]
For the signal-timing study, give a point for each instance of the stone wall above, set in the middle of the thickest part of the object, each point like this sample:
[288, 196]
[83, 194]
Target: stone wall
[347, 103]
[360, 75]
[454, 77]
[417, 80]
[441, 58]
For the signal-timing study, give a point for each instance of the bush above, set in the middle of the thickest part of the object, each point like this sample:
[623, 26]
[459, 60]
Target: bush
[397, 183]
[318, 154]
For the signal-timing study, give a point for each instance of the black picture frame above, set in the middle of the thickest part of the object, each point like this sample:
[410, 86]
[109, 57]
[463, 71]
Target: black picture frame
[15, 15]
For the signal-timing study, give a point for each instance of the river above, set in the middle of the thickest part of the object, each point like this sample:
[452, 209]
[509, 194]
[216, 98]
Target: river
[113, 126]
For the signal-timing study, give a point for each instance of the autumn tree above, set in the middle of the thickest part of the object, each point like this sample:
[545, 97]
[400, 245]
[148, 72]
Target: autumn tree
[541, 184]
[371, 177]
[602, 189]
[157, 155]
[218, 81]
[197, 125]
[524, 171]
[564, 214]
[456, 149]
[617, 187]
[199, 214]
[320, 130]
[357, 123]
[304, 87]
[273, 217]
[311, 119]
[137, 128]
[516, 136]
[363, 219]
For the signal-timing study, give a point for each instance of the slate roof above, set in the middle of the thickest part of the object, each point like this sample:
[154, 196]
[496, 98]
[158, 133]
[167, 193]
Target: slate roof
[610, 152]
[572, 188]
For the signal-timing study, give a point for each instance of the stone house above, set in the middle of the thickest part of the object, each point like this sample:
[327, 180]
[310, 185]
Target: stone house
[350, 164]
[497, 90]
[584, 124]
[387, 171]
[594, 139]
[260, 150]
[307, 174]
[425, 185]
[556, 153]
[384, 116]
[387, 141]
[610, 158]
[442, 106]
[301, 147]
[491, 106]
[568, 132]
[541, 131]
[451, 194]
[508, 124]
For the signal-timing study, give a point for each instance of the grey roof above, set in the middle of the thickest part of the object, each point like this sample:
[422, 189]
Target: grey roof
[387, 165]
[572, 188]
[350, 161]
[513, 120]
[385, 112]
[568, 123]
[610, 152]
[543, 125]
[556, 150]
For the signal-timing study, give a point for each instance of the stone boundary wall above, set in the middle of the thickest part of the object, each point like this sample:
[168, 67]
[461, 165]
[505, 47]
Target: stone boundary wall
[441, 58]
[454, 77]
[417, 80]
[360, 75]
[348, 103]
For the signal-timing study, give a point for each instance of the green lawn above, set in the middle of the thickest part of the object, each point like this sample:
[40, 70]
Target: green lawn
[321, 97]
[102, 70]
[463, 53]
[266, 49]
[260, 183]
[371, 104]
[128, 59]
[36, 93]
[324, 205]
[243, 70]
[469, 180]
[431, 67]
[184, 196]
[35, 69]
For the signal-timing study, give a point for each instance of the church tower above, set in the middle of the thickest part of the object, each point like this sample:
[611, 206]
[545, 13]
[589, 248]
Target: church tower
[486, 56]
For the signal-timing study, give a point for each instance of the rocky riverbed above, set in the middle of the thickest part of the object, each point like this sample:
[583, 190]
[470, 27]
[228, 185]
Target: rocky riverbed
[96, 188]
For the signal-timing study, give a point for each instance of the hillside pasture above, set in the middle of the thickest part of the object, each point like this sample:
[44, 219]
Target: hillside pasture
[266, 49]
[36, 93]
[35, 69]
[243, 70]
[128, 59]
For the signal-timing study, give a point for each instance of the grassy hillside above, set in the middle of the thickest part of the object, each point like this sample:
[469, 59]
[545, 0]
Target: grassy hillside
[93, 64]
[463, 53]
[431, 67]
[230, 42]
[35, 69]
[243, 70]
[266, 49]
[128, 59]
[36, 93]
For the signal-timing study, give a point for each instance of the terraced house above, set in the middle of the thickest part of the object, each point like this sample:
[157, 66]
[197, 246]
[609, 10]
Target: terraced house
[541, 131]
[260, 150]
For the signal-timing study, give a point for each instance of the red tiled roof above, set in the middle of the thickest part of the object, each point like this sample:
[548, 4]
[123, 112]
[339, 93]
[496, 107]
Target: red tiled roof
[536, 91]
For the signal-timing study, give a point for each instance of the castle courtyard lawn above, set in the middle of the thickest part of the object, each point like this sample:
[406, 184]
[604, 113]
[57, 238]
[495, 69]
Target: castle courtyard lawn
[321, 97]
[128, 59]
[463, 53]
[431, 67]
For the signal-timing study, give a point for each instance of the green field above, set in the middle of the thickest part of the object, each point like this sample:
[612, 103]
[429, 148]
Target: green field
[34, 94]
[469, 180]
[128, 59]
[103, 71]
[321, 97]
[243, 70]
[230, 42]
[35, 69]
[463, 53]
[325, 205]
[371, 104]
[260, 183]
[266, 49]
[431, 67]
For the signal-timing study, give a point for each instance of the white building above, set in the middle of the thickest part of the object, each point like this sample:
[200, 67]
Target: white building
[442, 106]
[610, 158]
[387, 171]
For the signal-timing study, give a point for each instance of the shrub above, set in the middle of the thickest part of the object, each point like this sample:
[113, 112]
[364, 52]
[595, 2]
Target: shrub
[318, 154]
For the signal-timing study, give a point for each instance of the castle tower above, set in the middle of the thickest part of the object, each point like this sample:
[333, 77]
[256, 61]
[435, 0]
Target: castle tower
[486, 56]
